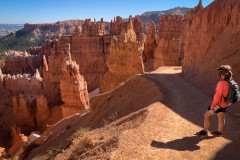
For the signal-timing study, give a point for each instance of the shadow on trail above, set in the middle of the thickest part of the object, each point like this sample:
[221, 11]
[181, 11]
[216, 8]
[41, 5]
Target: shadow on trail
[184, 144]
[182, 97]
[125, 103]
[190, 103]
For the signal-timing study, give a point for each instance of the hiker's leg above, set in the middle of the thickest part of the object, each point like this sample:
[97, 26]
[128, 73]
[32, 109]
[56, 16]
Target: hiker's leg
[221, 121]
[207, 121]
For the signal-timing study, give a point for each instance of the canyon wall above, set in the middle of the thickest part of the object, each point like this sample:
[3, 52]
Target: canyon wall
[33, 35]
[167, 47]
[167, 52]
[88, 49]
[23, 109]
[31, 103]
[213, 40]
[58, 83]
[60, 27]
[24, 96]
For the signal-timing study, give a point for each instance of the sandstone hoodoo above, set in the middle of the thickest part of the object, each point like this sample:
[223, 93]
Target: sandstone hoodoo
[124, 59]
[33, 109]
[30, 103]
[88, 49]
[73, 87]
[167, 48]
[93, 28]
[150, 42]
[138, 29]
[170, 30]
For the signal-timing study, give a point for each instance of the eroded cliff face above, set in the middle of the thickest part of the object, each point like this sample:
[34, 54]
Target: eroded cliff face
[19, 63]
[73, 90]
[33, 35]
[150, 42]
[124, 59]
[42, 112]
[170, 30]
[166, 47]
[32, 108]
[73, 87]
[18, 141]
[24, 113]
[21, 83]
[88, 49]
[213, 40]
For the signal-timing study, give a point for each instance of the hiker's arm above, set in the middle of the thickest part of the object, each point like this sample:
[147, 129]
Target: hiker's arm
[218, 95]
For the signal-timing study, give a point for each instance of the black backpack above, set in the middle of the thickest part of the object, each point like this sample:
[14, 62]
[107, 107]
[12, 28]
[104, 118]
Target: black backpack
[233, 92]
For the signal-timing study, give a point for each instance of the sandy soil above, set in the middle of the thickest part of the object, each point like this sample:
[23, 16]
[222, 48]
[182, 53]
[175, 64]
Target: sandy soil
[152, 116]
[168, 131]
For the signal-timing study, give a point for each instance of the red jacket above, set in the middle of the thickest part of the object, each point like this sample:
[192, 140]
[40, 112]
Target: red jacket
[220, 92]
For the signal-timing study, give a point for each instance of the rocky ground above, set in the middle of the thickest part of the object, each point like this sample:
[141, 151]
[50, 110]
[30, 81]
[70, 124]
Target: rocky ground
[154, 119]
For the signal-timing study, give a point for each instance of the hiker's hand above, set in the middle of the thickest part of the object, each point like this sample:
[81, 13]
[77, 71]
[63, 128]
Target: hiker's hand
[211, 112]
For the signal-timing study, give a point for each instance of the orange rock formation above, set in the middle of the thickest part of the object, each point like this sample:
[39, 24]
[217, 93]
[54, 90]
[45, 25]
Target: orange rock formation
[87, 50]
[42, 112]
[18, 141]
[124, 60]
[213, 40]
[15, 63]
[170, 30]
[53, 27]
[93, 28]
[167, 49]
[73, 87]
[150, 43]
[57, 89]
[90, 49]
[21, 83]
[24, 113]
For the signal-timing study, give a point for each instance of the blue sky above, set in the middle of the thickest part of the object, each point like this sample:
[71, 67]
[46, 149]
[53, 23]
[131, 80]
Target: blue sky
[49, 11]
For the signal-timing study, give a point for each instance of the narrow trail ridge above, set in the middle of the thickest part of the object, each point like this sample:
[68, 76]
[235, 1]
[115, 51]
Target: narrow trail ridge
[150, 117]
[167, 133]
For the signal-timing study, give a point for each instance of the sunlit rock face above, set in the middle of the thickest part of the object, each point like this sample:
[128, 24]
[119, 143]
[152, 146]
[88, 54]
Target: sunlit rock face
[213, 40]
[124, 59]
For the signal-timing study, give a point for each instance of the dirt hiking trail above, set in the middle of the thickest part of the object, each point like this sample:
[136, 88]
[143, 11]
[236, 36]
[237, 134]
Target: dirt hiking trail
[150, 117]
[167, 133]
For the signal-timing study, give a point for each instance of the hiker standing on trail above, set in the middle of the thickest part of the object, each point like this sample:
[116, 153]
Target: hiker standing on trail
[218, 105]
